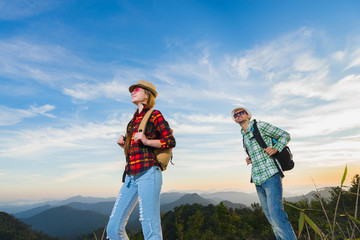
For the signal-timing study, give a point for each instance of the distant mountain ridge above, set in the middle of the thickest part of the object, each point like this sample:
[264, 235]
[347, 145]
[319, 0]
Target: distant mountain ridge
[324, 193]
[76, 218]
[234, 197]
[247, 199]
[190, 199]
[17, 208]
[33, 211]
[66, 222]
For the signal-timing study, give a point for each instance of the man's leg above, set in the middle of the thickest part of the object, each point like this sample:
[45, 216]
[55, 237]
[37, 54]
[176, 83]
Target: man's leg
[279, 218]
[124, 204]
[149, 185]
[264, 205]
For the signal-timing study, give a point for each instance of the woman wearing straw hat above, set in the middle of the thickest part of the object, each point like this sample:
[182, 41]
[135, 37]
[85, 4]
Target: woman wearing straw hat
[142, 176]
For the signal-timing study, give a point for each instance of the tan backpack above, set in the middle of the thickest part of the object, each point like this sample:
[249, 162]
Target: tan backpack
[163, 155]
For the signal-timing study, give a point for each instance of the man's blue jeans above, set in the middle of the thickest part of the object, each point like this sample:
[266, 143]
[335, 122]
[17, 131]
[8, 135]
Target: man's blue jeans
[270, 195]
[145, 187]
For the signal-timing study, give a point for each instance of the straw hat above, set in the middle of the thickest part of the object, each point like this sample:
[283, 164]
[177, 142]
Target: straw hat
[146, 85]
[240, 108]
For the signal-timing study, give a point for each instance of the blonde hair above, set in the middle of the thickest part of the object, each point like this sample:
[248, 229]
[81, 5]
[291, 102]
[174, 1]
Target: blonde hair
[150, 98]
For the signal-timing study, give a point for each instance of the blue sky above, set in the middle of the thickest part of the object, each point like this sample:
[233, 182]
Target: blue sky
[65, 69]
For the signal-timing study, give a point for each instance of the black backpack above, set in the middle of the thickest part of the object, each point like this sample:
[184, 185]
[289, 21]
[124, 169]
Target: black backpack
[284, 157]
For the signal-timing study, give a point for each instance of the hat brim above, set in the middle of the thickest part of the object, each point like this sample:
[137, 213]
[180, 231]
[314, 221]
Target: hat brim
[132, 87]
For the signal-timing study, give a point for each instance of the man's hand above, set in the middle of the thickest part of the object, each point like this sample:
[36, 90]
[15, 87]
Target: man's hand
[270, 151]
[248, 160]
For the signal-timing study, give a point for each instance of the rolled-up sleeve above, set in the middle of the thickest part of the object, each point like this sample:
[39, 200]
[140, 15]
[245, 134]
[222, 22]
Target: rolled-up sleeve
[167, 139]
[282, 137]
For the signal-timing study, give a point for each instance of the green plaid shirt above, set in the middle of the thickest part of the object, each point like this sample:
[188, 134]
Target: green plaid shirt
[263, 166]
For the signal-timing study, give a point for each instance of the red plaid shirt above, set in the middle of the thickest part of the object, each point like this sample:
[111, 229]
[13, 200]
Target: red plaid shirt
[142, 157]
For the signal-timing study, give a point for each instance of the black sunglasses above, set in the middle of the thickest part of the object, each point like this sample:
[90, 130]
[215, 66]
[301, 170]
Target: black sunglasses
[239, 113]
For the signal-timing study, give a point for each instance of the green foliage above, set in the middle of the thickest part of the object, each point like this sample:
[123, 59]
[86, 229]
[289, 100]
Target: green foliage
[222, 223]
[215, 222]
[12, 228]
[329, 218]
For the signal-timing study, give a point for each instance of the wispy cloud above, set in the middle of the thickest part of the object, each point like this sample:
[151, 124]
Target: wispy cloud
[113, 90]
[50, 65]
[11, 116]
[202, 118]
[354, 56]
[43, 141]
[272, 59]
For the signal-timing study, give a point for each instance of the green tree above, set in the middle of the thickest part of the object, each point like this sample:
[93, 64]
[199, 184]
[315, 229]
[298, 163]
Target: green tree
[194, 225]
[11, 228]
[179, 223]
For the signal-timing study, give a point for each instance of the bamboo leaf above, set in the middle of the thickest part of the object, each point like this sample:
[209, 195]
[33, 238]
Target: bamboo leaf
[301, 223]
[344, 176]
[353, 193]
[354, 219]
[294, 206]
[312, 224]
[95, 237]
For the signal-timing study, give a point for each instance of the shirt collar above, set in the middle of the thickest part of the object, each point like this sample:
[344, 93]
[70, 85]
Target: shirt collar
[249, 127]
[145, 109]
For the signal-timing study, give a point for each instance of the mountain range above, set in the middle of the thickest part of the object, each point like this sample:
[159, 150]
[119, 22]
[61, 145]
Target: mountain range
[79, 215]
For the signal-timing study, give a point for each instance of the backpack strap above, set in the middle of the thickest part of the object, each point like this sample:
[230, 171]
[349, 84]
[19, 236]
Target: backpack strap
[141, 128]
[145, 120]
[262, 144]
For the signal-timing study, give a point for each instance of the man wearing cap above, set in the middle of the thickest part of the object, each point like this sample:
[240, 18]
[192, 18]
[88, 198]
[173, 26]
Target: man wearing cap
[142, 177]
[264, 173]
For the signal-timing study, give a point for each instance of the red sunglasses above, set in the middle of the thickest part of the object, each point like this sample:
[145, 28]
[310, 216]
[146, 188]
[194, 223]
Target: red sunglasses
[135, 90]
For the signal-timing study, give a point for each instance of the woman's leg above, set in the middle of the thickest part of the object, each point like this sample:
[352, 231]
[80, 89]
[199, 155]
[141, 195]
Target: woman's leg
[149, 185]
[124, 204]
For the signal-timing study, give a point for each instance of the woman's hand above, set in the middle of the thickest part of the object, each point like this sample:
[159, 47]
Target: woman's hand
[121, 141]
[248, 160]
[140, 136]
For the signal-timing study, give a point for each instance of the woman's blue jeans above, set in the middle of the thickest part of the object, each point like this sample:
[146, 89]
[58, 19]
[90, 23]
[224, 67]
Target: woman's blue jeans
[270, 195]
[145, 187]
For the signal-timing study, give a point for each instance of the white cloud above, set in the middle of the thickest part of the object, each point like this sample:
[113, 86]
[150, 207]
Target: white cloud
[355, 59]
[11, 116]
[306, 63]
[44, 141]
[345, 89]
[84, 91]
[339, 55]
[201, 118]
[331, 103]
[51, 65]
[275, 56]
